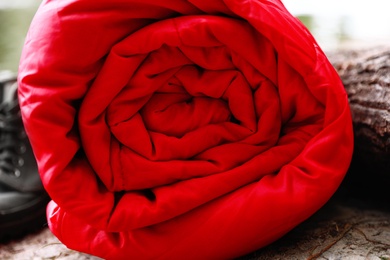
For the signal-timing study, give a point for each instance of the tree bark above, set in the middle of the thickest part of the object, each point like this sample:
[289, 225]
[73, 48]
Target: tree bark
[366, 77]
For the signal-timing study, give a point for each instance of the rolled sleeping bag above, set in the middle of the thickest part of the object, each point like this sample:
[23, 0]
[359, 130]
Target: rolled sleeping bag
[180, 129]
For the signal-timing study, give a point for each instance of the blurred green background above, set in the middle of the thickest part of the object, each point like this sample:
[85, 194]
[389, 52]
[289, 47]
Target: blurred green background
[334, 23]
[15, 17]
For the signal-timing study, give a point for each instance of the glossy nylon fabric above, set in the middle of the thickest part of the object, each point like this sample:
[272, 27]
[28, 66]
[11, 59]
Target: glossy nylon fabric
[180, 129]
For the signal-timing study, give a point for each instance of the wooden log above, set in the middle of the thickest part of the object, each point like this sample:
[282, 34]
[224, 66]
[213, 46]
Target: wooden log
[366, 77]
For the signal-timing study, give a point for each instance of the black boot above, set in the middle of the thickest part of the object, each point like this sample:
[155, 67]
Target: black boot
[22, 197]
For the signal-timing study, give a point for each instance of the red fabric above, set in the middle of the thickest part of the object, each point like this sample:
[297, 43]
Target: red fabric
[180, 129]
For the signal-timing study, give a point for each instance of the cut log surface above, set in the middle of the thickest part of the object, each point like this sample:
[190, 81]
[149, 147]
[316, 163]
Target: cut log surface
[366, 77]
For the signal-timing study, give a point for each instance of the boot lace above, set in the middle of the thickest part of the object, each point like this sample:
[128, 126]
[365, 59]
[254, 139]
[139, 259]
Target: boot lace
[11, 133]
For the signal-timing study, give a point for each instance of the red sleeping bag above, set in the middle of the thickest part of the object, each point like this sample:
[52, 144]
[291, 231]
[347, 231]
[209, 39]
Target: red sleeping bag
[180, 129]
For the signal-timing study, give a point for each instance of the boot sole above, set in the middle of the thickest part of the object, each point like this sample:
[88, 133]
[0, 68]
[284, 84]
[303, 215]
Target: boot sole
[23, 222]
